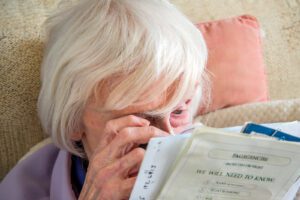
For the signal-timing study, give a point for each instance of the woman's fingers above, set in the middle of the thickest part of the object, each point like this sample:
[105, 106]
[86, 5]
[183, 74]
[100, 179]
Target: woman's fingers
[114, 181]
[115, 162]
[126, 187]
[134, 136]
[114, 190]
[114, 126]
[126, 140]
[124, 166]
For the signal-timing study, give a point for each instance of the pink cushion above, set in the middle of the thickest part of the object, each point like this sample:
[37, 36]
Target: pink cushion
[235, 62]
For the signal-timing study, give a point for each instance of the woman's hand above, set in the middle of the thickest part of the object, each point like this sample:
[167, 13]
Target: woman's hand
[113, 166]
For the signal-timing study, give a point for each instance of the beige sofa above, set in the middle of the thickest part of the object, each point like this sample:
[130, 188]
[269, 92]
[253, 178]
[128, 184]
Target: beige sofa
[21, 47]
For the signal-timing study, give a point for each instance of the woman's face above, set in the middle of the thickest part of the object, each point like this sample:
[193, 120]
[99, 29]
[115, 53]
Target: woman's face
[96, 122]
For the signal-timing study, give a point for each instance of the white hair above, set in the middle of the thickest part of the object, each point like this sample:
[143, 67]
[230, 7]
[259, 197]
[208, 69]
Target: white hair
[141, 41]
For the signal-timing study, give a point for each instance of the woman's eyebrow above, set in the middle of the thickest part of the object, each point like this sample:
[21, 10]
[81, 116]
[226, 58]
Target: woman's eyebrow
[146, 115]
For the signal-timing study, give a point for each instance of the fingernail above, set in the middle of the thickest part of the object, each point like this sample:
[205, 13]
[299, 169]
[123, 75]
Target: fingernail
[172, 132]
[146, 122]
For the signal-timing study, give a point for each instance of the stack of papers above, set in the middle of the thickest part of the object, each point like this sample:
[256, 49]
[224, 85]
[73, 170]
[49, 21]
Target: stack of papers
[209, 163]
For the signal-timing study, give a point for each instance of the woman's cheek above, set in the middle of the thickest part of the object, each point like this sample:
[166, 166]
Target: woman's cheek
[179, 122]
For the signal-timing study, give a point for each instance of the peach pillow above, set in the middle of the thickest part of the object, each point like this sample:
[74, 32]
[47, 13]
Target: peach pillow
[235, 62]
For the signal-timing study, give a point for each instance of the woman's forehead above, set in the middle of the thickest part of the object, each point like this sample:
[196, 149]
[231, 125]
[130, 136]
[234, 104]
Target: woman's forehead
[158, 102]
[152, 99]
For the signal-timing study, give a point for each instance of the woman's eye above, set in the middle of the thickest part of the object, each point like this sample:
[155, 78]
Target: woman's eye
[177, 112]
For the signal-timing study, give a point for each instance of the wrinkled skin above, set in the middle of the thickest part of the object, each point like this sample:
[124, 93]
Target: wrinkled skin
[112, 139]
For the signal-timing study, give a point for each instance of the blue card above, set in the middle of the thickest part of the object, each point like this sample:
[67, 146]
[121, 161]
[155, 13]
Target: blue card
[257, 128]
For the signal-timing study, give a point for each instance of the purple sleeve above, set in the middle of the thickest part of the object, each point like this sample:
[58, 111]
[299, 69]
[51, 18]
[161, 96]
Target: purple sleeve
[40, 176]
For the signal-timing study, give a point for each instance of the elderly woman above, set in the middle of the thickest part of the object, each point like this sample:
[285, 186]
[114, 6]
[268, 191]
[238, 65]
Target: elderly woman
[115, 74]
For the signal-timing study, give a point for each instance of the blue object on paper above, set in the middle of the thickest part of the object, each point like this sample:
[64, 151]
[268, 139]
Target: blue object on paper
[257, 128]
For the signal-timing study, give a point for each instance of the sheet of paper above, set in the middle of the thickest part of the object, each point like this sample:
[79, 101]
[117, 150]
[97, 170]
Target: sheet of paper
[292, 193]
[160, 155]
[229, 166]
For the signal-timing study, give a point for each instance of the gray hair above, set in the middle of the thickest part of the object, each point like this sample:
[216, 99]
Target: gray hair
[141, 41]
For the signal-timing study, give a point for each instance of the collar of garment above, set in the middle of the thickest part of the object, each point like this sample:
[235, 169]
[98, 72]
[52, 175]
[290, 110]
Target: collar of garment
[78, 173]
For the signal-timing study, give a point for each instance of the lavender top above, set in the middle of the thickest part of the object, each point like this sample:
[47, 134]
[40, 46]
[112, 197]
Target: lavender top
[46, 174]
